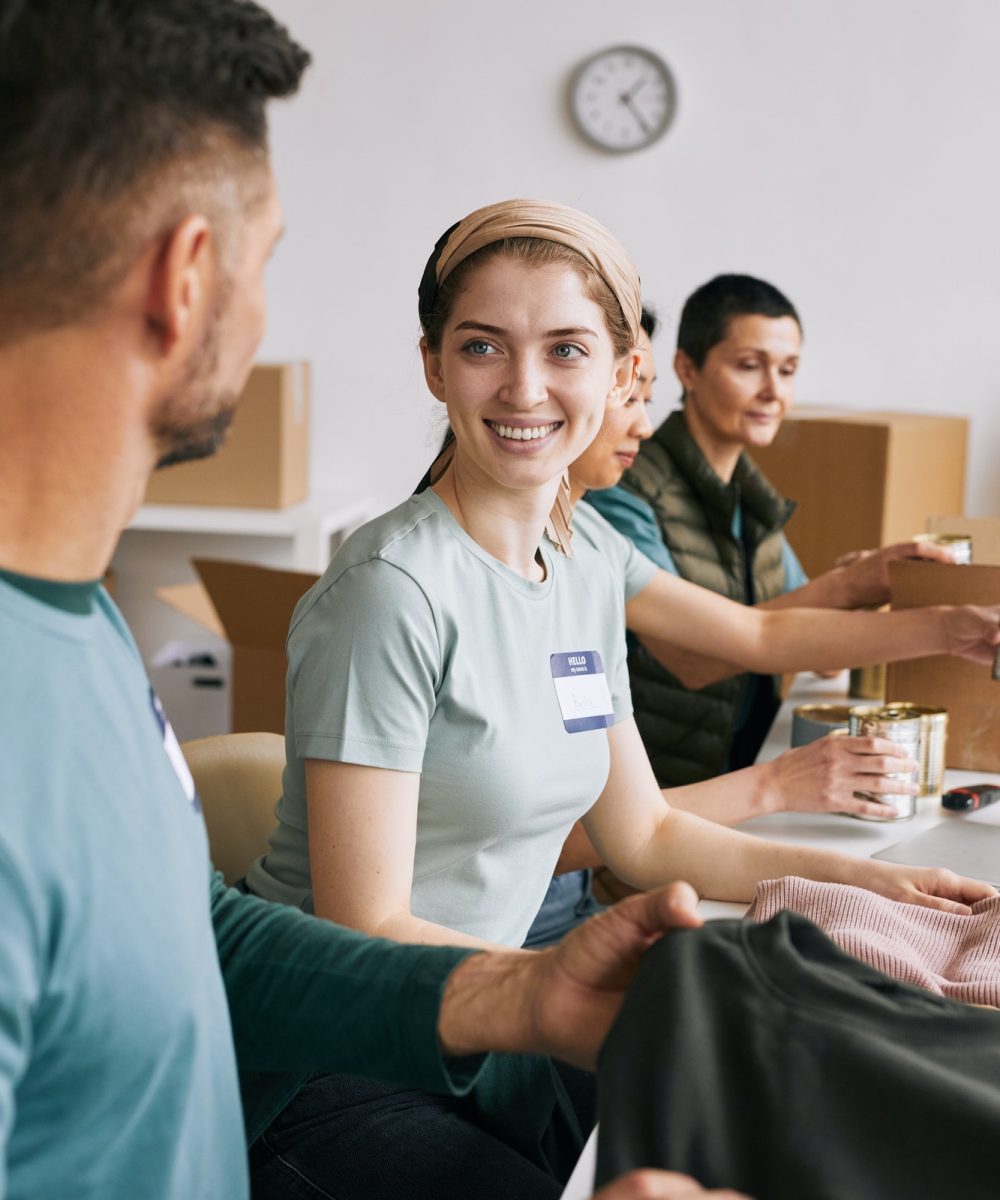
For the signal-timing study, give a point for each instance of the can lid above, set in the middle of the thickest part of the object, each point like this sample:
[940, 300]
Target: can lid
[826, 714]
[886, 712]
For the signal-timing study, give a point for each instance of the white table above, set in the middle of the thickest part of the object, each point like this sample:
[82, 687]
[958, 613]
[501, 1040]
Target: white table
[827, 831]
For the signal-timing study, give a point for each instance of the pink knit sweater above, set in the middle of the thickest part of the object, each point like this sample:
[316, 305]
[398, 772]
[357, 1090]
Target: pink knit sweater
[953, 955]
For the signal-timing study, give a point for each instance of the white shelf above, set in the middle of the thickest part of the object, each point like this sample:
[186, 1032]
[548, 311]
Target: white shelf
[332, 510]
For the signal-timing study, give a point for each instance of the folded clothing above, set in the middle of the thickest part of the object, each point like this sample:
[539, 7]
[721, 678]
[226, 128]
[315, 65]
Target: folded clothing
[952, 954]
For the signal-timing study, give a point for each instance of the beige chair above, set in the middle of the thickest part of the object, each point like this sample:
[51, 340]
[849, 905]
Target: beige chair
[238, 777]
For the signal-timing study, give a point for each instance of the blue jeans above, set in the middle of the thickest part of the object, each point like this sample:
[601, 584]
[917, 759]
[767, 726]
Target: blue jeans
[347, 1138]
[568, 903]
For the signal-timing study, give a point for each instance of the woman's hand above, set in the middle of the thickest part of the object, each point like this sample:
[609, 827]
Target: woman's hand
[973, 631]
[825, 775]
[931, 887]
[661, 1185]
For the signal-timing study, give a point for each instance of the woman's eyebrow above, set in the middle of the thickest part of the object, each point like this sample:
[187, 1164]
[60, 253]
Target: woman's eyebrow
[569, 331]
[481, 325]
[764, 352]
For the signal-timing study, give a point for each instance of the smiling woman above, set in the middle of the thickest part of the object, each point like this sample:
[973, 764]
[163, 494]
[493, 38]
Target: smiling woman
[458, 693]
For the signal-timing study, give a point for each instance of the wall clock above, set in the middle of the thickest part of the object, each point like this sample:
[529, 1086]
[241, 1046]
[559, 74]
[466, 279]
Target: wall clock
[623, 98]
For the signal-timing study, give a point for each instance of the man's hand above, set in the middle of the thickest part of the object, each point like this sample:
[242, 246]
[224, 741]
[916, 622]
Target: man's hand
[563, 1000]
[866, 572]
[661, 1185]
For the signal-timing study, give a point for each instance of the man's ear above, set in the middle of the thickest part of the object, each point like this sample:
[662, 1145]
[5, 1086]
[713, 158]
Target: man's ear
[626, 375]
[685, 370]
[432, 370]
[181, 285]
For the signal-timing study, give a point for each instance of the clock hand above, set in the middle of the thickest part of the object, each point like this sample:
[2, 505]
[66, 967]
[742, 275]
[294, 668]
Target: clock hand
[639, 83]
[627, 101]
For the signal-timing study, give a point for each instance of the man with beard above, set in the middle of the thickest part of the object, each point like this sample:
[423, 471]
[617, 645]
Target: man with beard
[138, 210]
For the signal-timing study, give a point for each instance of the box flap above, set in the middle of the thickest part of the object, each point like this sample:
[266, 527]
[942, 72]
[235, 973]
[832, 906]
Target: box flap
[192, 600]
[984, 531]
[254, 604]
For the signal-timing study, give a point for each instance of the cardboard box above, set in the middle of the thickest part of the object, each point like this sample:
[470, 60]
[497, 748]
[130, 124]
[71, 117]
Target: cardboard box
[193, 682]
[251, 607]
[264, 462]
[863, 480]
[967, 690]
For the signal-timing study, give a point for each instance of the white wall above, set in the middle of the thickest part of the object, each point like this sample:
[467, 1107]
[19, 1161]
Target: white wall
[844, 149]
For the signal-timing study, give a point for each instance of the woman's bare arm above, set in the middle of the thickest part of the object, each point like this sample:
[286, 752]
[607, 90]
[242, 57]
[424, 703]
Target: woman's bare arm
[721, 637]
[362, 836]
[646, 842]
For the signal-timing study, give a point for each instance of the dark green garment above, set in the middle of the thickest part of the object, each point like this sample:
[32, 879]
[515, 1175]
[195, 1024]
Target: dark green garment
[763, 1058]
[689, 735]
[306, 996]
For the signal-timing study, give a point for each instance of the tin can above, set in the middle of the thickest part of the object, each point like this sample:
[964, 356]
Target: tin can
[813, 721]
[899, 725]
[960, 545]
[867, 683]
[933, 744]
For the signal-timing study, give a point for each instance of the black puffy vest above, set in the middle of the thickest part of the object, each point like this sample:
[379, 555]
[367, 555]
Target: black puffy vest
[689, 734]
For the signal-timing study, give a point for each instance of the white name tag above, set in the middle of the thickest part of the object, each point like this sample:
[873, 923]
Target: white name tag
[582, 691]
[174, 752]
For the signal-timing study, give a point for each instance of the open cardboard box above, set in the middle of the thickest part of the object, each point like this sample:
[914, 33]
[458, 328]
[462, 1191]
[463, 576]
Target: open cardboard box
[251, 607]
[967, 690]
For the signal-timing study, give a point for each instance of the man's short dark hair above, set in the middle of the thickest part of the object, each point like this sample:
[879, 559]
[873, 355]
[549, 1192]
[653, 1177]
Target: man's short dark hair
[108, 110]
[649, 321]
[707, 312]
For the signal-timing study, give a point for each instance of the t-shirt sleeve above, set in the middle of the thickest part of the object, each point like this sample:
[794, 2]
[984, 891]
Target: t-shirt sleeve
[795, 576]
[364, 665]
[621, 692]
[635, 520]
[634, 568]
[19, 989]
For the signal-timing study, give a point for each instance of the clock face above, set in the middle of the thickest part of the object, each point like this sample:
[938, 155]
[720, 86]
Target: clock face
[623, 98]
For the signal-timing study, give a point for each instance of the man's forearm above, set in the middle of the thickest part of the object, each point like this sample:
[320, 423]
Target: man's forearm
[307, 995]
[488, 1005]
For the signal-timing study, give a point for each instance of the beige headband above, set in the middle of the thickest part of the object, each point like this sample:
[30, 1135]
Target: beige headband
[553, 223]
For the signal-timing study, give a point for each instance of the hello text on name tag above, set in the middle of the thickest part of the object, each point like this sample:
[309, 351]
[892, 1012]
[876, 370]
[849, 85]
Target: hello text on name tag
[582, 691]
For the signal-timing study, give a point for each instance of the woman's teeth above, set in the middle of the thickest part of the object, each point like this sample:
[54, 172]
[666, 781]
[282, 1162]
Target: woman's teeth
[518, 434]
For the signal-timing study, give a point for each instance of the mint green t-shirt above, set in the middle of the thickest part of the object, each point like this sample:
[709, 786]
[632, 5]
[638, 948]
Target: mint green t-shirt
[417, 651]
[633, 569]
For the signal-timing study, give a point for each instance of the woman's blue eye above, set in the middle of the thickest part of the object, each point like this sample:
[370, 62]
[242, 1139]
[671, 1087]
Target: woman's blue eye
[479, 348]
[567, 350]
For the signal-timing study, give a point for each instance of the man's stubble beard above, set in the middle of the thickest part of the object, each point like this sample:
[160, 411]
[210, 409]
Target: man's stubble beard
[192, 422]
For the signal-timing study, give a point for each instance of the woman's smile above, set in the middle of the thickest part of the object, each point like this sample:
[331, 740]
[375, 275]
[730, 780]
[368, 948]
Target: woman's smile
[520, 436]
